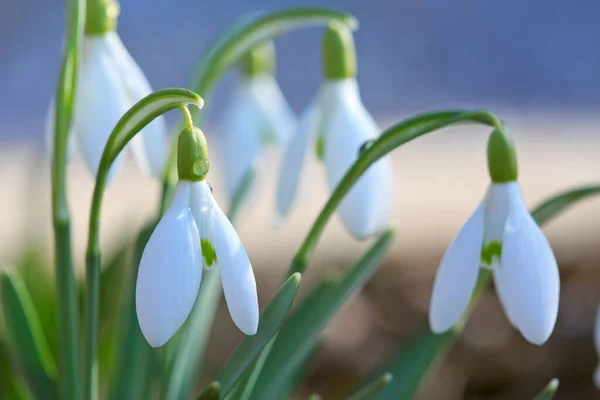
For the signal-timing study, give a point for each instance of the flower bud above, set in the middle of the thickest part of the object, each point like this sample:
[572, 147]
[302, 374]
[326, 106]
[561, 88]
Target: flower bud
[502, 157]
[192, 155]
[338, 52]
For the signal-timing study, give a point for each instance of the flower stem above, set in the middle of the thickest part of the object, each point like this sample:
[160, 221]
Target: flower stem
[69, 380]
[389, 140]
[189, 121]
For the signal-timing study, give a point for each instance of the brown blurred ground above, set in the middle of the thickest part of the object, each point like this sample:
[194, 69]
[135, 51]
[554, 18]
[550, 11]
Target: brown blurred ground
[439, 181]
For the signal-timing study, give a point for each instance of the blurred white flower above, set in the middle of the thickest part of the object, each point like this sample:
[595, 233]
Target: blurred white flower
[503, 236]
[337, 126]
[193, 233]
[257, 116]
[109, 83]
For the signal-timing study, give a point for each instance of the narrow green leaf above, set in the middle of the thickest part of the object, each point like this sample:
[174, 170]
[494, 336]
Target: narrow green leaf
[186, 352]
[17, 389]
[251, 346]
[554, 205]
[132, 383]
[213, 392]
[302, 330]
[25, 335]
[371, 389]
[549, 391]
[412, 364]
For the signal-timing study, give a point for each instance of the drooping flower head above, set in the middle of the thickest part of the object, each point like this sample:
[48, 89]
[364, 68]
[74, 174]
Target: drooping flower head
[109, 83]
[335, 127]
[501, 235]
[257, 116]
[193, 234]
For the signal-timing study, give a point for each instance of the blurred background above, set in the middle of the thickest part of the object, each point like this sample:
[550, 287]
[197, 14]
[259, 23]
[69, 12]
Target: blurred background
[533, 63]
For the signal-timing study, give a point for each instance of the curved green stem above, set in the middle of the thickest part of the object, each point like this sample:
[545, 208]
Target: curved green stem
[134, 120]
[230, 49]
[391, 139]
[66, 284]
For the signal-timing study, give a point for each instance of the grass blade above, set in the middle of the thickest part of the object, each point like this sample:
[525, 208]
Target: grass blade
[301, 332]
[372, 388]
[270, 322]
[26, 337]
[549, 391]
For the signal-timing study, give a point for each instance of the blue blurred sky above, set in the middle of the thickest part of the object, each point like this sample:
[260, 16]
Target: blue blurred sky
[414, 55]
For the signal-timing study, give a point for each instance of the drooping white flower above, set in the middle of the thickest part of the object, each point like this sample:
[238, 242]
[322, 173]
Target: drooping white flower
[337, 126]
[503, 236]
[109, 83]
[194, 233]
[257, 116]
[338, 118]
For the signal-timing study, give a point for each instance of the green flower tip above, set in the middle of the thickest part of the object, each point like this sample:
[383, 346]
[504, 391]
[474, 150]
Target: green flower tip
[491, 251]
[260, 60]
[192, 155]
[338, 52]
[208, 252]
[101, 16]
[502, 157]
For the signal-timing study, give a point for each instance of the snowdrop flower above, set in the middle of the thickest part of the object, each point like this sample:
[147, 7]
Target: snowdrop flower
[337, 126]
[193, 234]
[502, 236]
[257, 115]
[109, 83]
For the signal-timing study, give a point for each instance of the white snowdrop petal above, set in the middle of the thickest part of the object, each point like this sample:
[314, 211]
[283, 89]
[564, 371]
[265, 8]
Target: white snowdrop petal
[239, 286]
[527, 279]
[366, 209]
[150, 146]
[294, 161]
[100, 103]
[456, 277]
[169, 273]
[49, 135]
[275, 110]
[498, 204]
[241, 145]
[201, 205]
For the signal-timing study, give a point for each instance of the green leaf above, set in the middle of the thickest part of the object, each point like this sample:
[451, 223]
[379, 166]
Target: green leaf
[411, 365]
[132, 383]
[372, 388]
[251, 346]
[315, 396]
[549, 391]
[186, 350]
[213, 392]
[554, 205]
[302, 330]
[26, 337]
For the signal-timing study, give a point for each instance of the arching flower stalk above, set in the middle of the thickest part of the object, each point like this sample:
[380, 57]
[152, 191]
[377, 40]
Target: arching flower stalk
[193, 234]
[257, 116]
[337, 126]
[109, 83]
[502, 236]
